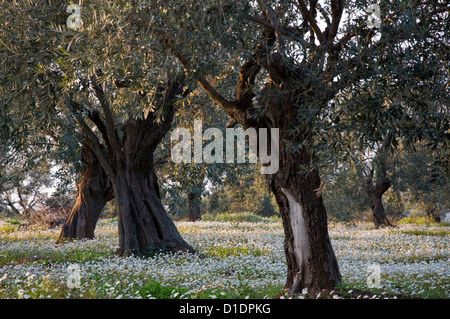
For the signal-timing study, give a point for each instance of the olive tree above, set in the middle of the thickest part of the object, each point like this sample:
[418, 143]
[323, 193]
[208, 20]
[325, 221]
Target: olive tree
[95, 74]
[292, 65]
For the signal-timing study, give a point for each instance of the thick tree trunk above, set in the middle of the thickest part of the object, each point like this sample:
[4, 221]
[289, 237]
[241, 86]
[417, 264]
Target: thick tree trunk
[310, 257]
[126, 156]
[194, 207]
[375, 195]
[94, 190]
[144, 226]
[311, 261]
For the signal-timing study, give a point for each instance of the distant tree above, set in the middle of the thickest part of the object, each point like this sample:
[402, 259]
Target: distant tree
[378, 183]
[415, 177]
[266, 208]
[424, 182]
[344, 192]
[24, 182]
[186, 183]
[241, 186]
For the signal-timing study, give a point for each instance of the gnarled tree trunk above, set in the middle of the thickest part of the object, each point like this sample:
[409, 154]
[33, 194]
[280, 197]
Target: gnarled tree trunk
[144, 226]
[310, 257]
[94, 190]
[125, 152]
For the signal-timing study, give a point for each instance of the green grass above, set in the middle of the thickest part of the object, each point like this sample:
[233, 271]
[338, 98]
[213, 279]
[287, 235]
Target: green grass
[421, 220]
[32, 250]
[420, 232]
[15, 222]
[10, 226]
[239, 218]
[154, 289]
[223, 252]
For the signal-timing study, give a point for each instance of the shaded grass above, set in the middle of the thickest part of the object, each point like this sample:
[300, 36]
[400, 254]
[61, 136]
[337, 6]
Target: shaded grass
[154, 289]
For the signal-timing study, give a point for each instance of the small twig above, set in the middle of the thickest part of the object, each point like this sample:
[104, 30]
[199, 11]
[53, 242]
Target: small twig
[320, 189]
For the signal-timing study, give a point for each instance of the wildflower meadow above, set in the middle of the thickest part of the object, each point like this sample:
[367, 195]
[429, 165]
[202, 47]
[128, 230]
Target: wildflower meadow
[234, 259]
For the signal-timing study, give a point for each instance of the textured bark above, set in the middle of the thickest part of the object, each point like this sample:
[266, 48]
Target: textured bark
[144, 226]
[94, 190]
[310, 257]
[126, 155]
[311, 262]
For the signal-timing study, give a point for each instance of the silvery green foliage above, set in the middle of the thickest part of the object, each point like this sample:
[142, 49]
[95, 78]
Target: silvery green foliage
[390, 80]
[370, 82]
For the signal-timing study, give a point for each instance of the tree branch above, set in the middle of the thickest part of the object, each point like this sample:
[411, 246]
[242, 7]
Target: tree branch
[279, 29]
[337, 7]
[311, 21]
[324, 15]
[110, 126]
[247, 75]
[94, 116]
[274, 21]
[91, 139]
[11, 205]
[215, 96]
[382, 188]
[21, 202]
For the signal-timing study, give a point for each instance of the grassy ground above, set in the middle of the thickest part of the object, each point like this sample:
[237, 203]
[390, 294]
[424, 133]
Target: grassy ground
[240, 257]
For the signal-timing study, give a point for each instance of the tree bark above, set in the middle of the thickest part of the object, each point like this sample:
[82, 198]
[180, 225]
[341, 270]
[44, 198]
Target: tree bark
[144, 225]
[375, 193]
[311, 261]
[310, 257]
[127, 159]
[94, 190]
[194, 206]
[126, 156]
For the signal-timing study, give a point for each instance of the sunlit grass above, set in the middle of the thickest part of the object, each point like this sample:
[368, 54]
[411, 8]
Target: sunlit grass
[421, 232]
[421, 220]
